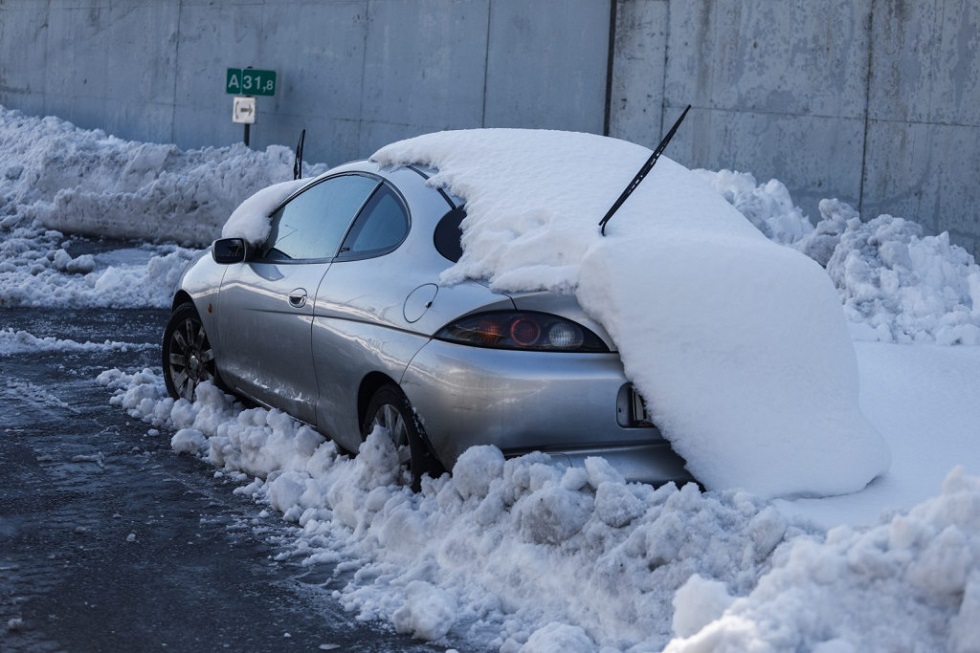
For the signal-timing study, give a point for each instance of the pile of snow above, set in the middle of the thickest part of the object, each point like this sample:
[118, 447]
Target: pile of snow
[767, 206]
[738, 344]
[57, 179]
[36, 269]
[87, 182]
[909, 584]
[497, 555]
[896, 284]
[899, 286]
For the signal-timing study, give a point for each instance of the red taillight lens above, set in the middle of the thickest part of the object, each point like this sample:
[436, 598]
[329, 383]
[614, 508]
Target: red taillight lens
[525, 330]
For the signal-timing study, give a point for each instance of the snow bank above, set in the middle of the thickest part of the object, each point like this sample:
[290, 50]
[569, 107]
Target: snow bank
[896, 284]
[56, 179]
[87, 182]
[496, 556]
[767, 206]
[912, 583]
[36, 269]
[900, 286]
[738, 344]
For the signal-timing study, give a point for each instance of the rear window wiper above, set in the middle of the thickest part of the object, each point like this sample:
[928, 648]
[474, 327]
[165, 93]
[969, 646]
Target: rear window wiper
[643, 172]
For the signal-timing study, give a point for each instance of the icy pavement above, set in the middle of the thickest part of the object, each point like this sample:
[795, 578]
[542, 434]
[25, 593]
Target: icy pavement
[110, 542]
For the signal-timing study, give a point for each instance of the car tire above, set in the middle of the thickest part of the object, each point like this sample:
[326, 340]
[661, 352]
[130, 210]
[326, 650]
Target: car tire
[390, 408]
[188, 359]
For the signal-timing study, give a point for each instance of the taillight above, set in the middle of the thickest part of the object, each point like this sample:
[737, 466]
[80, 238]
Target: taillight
[524, 330]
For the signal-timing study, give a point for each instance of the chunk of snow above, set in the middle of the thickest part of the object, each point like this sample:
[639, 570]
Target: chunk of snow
[189, 441]
[428, 612]
[558, 638]
[697, 603]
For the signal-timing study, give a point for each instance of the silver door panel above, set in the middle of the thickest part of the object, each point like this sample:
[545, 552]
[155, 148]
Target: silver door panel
[265, 317]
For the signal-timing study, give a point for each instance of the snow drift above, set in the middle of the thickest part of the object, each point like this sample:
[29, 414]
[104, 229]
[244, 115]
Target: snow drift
[498, 554]
[57, 179]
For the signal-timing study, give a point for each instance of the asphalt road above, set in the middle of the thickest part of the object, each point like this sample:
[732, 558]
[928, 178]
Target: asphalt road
[111, 542]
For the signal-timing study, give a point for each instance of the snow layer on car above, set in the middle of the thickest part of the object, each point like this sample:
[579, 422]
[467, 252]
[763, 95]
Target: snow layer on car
[739, 344]
[251, 219]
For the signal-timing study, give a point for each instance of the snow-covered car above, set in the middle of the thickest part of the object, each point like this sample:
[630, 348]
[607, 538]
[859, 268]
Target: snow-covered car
[339, 318]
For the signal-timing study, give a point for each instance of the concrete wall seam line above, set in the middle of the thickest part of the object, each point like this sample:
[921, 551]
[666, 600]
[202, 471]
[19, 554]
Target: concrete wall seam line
[610, 64]
[867, 106]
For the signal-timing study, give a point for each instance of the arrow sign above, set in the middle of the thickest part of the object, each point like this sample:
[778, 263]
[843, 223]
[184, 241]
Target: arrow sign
[243, 110]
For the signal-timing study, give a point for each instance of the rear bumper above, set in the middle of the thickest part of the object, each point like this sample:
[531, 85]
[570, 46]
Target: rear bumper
[567, 405]
[653, 463]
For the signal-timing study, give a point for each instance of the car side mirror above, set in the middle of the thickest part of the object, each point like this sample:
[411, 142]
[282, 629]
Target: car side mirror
[229, 250]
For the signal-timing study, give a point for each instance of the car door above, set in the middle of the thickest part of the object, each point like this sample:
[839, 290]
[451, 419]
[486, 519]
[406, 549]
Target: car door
[265, 305]
[359, 327]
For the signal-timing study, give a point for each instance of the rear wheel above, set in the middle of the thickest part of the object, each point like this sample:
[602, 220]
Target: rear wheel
[390, 409]
[188, 359]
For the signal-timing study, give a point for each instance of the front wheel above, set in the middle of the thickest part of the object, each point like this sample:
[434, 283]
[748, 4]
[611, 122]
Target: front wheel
[188, 359]
[389, 408]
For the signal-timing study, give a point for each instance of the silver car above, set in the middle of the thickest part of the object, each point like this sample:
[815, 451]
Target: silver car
[339, 319]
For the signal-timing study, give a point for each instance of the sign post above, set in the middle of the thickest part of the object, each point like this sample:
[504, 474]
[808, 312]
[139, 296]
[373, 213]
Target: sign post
[244, 84]
[243, 112]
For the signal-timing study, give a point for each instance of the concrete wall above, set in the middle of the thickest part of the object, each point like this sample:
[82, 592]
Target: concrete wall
[355, 73]
[923, 134]
[779, 89]
[876, 102]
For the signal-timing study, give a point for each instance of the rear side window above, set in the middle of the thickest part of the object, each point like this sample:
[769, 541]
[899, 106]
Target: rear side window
[312, 224]
[448, 234]
[380, 227]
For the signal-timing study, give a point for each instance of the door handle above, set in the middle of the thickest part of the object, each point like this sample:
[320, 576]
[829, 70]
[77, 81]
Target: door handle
[297, 298]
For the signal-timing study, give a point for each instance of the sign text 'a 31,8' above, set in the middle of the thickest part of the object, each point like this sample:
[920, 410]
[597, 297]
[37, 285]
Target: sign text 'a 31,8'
[250, 81]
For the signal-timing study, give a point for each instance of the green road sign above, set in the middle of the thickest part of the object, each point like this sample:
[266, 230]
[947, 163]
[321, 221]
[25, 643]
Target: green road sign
[249, 81]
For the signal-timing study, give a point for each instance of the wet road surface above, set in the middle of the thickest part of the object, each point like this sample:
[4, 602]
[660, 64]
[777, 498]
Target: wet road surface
[111, 542]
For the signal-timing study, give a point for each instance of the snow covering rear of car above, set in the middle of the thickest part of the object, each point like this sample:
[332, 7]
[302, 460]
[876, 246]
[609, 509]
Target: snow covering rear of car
[738, 344]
